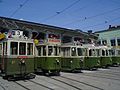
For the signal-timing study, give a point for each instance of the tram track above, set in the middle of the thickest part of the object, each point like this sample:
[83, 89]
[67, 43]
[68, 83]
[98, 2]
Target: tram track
[82, 82]
[110, 73]
[24, 86]
[101, 76]
[2, 87]
[41, 85]
[66, 83]
[21, 85]
[52, 82]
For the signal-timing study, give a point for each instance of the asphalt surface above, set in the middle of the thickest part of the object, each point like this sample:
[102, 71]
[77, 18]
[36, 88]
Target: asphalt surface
[101, 79]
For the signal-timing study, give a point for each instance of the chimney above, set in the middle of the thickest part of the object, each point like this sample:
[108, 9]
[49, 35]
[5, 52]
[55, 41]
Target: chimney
[110, 26]
[89, 31]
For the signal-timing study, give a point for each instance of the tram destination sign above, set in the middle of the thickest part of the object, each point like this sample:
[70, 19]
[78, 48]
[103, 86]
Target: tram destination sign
[54, 41]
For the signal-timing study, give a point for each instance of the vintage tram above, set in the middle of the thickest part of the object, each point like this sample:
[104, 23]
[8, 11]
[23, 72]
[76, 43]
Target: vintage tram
[92, 58]
[105, 54]
[47, 56]
[115, 56]
[72, 57]
[16, 55]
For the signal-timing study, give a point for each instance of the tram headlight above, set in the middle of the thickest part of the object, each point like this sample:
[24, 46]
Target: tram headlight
[57, 61]
[71, 61]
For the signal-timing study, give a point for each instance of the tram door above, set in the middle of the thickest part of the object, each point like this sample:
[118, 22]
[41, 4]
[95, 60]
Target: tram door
[1, 56]
[4, 55]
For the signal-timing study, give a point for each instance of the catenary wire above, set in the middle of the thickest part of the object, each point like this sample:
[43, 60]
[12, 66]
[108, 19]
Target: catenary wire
[21, 5]
[59, 12]
[91, 17]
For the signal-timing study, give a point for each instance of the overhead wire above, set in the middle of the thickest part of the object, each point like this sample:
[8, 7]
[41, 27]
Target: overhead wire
[91, 17]
[59, 12]
[105, 22]
[20, 6]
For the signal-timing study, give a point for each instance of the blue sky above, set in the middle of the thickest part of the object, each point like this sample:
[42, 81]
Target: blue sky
[85, 14]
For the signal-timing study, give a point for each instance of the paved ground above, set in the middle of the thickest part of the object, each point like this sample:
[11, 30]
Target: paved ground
[102, 79]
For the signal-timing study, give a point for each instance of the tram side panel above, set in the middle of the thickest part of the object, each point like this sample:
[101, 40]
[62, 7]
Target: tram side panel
[14, 66]
[46, 60]
[91, 62]
[105, 59]
[115, 60]
[48, 63]
[70, 64]
[115, 56]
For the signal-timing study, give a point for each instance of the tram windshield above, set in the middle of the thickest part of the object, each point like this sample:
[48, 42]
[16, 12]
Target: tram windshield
[14, 48]
[103, 52]
[73, 51]
[80, 51]
[118, 52]
[48, 50]
[92, 52]
[24, 48]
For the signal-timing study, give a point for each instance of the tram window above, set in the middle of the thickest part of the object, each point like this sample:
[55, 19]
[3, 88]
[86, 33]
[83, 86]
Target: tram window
[103, 52]
[90, 52]
[80, 51]
[0, 49]
[67, 51]
[106, 52]
[22, 48]
[39, 51]
[44, 50]
[118, 52]
[56, 50]
[50, 50]
[30, 49]
[98, 52]
[14, 48]
[94, 52]
[73, 51]
[112, 52]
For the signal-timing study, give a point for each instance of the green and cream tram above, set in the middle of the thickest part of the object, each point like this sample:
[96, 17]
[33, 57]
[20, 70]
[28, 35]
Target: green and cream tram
[16, 55]
[72, 57]
[92, 58]
[48, 56]
[115, 56]
[105, 54]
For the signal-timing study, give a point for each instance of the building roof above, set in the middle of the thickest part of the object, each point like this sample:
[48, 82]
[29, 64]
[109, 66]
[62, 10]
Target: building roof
[113, 28]
[37, 26]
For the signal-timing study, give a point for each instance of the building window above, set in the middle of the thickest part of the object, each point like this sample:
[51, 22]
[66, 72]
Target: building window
[113, 42]
[104, 42]
[99, 42]
[118, 41]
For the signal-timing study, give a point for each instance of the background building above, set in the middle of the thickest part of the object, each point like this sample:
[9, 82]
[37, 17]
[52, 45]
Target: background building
[110, 37]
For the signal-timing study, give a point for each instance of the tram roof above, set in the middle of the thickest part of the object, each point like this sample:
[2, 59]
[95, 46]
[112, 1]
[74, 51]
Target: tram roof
[45, 27]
